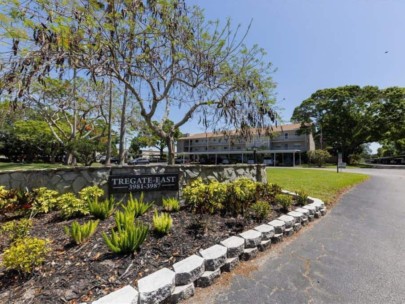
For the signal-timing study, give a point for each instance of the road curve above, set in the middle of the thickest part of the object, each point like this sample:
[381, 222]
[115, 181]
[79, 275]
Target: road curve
[355, 254]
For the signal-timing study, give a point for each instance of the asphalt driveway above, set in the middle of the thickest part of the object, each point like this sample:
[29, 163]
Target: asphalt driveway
[355, 254]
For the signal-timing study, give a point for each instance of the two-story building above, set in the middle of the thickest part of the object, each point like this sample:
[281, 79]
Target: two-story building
[283, 146]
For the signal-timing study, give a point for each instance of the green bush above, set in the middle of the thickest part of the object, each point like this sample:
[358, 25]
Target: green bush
[284, 200]
[124, 219]
[127, 239]
[241, 194]
[136, 206]
[15, 201]
[162, 222]
[171, 204]
[45, 200]
[267, 191]
[25, 254]
[71, 206]
[260, 209]
[318, 157]
[91, 193]
[81, 233]
[301, 198]
[205, 198]
[101, 210]
[17, 229]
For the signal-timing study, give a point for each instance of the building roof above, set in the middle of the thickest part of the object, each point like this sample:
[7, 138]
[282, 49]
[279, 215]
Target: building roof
[280, 128]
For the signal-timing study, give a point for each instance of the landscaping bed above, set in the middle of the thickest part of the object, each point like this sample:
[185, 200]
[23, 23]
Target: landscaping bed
[83, 273]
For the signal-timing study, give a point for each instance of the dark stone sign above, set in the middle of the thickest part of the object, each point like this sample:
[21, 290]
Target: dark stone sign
[147, 182]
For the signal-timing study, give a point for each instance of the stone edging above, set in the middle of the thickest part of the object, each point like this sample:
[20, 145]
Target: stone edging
[202, 269]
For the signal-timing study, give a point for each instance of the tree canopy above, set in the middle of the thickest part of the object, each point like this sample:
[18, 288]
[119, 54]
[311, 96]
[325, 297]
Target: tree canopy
[164, 53]
[346, 118]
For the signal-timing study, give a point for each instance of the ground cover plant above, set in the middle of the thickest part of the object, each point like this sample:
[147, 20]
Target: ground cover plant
[80, 259]
[323, 184]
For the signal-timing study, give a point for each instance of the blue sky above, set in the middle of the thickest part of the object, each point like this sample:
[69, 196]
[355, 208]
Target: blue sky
[316, 44]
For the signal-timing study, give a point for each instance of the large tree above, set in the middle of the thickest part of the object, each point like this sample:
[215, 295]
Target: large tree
[75, 110]
[340, 117]
[346, 118]
[146, 137]
[163, 52]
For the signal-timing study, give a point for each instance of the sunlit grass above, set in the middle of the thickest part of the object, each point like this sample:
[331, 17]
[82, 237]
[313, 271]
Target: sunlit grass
[323, 184]
[32, 166]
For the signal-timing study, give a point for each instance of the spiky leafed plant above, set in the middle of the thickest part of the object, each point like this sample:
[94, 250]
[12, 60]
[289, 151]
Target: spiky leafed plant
[137, 206]
[81, 233]
[162, 222]
[102, 210]
[127, 239]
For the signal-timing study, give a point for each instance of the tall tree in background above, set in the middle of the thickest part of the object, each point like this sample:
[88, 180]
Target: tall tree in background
[346, 118]
[340, 116]
[75, 120]
[164, 53]
[147, 138]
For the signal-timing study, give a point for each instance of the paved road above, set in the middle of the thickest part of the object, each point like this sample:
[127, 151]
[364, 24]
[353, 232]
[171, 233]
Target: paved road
[355, 254]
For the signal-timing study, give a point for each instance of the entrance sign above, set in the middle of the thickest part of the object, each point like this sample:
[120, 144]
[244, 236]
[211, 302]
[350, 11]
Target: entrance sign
[147, 182]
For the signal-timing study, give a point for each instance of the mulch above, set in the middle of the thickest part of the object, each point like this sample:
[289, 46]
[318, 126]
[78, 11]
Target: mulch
[75, 274]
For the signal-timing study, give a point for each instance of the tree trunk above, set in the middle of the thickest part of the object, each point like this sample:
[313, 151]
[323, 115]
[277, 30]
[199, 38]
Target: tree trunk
[123, 128]
[71, 159]
[170, 147]
[108, 156]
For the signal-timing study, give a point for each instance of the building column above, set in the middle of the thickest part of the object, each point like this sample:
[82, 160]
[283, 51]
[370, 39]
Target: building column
[274, 161]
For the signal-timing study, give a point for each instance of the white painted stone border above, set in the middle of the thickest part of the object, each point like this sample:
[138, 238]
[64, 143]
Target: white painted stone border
[168, 292]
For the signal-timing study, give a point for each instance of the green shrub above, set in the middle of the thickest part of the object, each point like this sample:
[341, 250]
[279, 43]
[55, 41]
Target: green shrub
[241, 194]
[260, 209]
[171, 204]
[127, 239]
[318, 157]
[136, 206]
[17, 229]
[267, 191]
[71, 206]
[45, 200]
[284, 200]
[162, 222]
[91, 193]
[25, 254]
[301, 198]
[124, 219]
[205, 198]
[81, 233]
[101, 210]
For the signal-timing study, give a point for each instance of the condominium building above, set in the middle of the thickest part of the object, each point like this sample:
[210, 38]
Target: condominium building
[283, 146]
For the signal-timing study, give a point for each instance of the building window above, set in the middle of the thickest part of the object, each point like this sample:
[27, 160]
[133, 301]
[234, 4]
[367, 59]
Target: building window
[285, 135]
[225, 148]
[286, 146]
[196, 140]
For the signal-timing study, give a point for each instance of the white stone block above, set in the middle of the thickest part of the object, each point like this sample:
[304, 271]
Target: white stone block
[214, 256]
[267, 231]
[182, 293]
[235, 246]
[189, 270]
[252, 238]
[157, 286]
[288, 220]
[125, 295]
[279, 226]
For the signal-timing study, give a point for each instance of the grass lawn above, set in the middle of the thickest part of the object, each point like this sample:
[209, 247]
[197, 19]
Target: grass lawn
[19, 166]
[323, 184]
